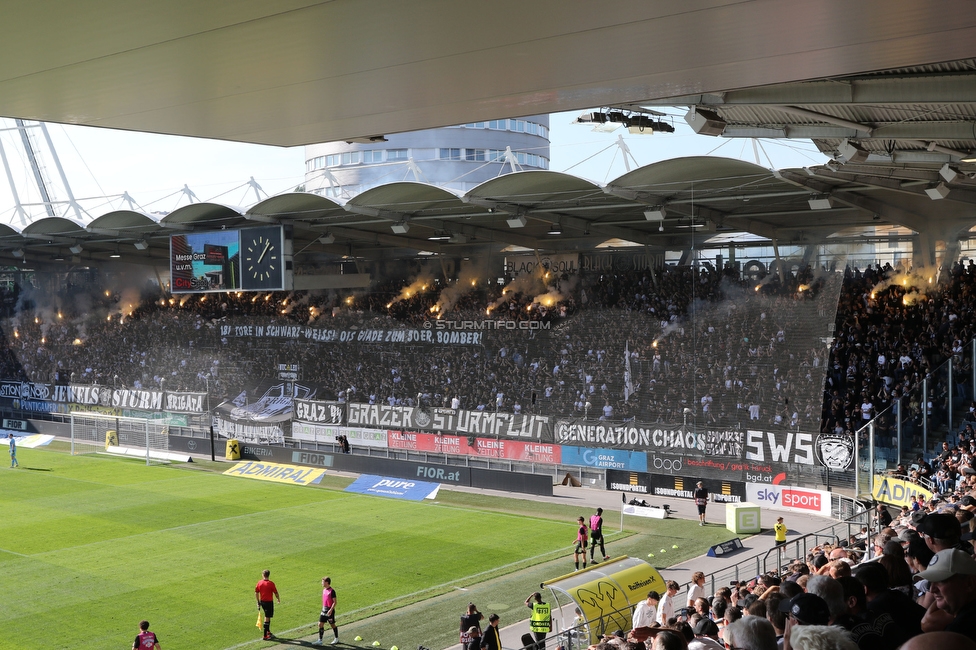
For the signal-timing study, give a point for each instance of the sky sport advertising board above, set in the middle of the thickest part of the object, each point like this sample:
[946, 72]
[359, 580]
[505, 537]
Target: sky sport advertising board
[205, 262]
[790, 498]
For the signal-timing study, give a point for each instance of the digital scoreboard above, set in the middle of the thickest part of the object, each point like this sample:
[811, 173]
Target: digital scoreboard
[249, 259]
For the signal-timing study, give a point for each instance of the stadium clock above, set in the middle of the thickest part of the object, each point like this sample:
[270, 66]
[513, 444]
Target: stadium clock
[262, 258]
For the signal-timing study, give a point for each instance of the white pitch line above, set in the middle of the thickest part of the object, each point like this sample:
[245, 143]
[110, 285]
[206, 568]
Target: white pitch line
[180, 527]
[393, 600]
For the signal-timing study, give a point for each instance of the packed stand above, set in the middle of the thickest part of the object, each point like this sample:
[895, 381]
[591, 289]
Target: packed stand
[902, 583]
[650, 346]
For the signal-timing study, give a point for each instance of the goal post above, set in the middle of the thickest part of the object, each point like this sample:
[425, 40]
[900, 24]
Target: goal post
[97, 432]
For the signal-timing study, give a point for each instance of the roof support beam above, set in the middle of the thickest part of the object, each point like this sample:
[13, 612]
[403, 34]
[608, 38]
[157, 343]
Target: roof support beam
[387, 240]
[506, 236]
[892, 213]
[942, 89]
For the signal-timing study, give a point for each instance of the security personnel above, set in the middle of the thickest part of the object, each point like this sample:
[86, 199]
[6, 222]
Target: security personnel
[540, 623]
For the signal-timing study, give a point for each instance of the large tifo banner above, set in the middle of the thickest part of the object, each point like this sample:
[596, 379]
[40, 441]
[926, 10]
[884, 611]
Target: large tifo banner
[325, 335]
[469, 423]
[319, 411]
[146, 400]
[270, 434]
[749, 455]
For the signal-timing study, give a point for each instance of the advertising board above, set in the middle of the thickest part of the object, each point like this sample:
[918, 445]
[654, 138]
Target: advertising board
[787, 497]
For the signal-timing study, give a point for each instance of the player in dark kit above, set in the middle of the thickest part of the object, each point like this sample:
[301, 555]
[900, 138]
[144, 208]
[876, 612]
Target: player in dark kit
[266, 592]
[596, 534]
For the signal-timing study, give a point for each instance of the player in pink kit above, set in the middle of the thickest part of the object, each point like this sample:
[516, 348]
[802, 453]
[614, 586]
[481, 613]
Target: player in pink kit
[581, 539]
[145, 640]
[328, 611]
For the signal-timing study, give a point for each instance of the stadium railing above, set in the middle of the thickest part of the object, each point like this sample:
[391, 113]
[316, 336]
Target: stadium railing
[918, 422]
[579, 637]
[797, 548]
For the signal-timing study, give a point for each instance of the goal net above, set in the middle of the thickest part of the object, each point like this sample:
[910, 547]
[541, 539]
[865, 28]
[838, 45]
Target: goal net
[137, 437]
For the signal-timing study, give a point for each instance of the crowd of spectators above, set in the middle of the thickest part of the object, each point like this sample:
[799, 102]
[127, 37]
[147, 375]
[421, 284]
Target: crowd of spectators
[667, 345]
[907, 581]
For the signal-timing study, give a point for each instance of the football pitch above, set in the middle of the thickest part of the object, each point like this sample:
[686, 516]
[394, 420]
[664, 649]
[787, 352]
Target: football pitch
[90, 545]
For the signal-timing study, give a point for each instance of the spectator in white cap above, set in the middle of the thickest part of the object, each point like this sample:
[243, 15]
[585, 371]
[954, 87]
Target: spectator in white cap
[952, 581]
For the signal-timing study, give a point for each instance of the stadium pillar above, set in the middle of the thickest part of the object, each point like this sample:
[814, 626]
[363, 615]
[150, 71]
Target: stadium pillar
[213, 456]
[925, 416]
[898, 424]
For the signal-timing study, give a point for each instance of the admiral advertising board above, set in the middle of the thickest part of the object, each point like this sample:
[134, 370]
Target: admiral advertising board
[896, 491]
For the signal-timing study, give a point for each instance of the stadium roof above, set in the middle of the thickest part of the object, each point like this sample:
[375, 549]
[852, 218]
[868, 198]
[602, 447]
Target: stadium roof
[291, 72]
[886, 88]
[671, 205]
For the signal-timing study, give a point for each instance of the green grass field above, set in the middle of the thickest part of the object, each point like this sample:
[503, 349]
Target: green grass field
[90, 545]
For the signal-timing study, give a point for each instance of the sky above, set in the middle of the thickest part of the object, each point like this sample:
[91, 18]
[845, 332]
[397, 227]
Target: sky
[102, 164]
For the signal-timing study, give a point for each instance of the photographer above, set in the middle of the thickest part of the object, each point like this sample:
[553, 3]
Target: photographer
[471, 620]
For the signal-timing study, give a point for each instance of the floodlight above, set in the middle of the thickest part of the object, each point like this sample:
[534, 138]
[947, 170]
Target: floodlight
[77, 248]
[590, 118]
[705, 122]
[517, 221]
[656, 213]
[400, 227]
[821, 203]
[327, 238]
[948, 173]
[141, 245]
[940, 191]
[646, 124]
[848, 152]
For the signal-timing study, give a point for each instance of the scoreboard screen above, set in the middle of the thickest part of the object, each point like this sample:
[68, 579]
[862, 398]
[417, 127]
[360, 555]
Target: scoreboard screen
[248, 259]
[204, 262]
